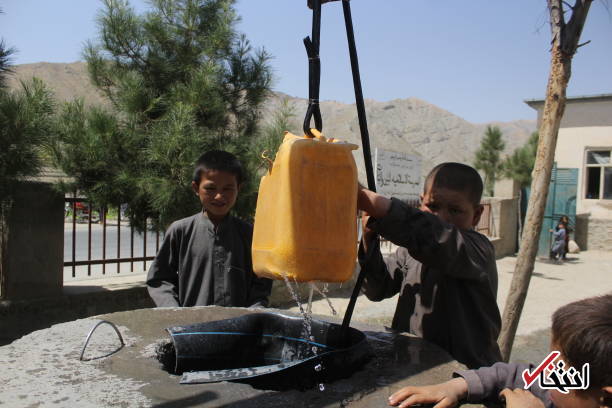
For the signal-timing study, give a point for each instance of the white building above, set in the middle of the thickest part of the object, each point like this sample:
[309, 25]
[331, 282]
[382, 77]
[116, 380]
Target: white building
[585, 143]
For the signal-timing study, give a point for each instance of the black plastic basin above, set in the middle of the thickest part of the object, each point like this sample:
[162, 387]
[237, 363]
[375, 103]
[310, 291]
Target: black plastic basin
[266, 349]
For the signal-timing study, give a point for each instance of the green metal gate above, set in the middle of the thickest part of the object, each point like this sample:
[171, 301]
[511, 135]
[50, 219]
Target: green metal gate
[561, 201]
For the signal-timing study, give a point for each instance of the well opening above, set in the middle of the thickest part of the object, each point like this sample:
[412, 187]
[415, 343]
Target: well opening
[266, 350]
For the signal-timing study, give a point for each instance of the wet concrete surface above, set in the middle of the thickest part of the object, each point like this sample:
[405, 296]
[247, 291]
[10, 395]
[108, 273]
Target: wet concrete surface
[43, 368]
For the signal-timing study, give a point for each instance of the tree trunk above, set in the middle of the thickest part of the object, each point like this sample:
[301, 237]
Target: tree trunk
[564, 45]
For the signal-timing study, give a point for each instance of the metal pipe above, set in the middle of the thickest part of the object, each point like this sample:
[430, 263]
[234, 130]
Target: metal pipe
[131, 247]
[365, 142]
[119, 240]
[144, 245]
[89, 210]
[104, 240]
[74, 237]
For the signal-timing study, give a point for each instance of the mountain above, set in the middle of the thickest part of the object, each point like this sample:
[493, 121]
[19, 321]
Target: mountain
[68, 81]
[409, 125]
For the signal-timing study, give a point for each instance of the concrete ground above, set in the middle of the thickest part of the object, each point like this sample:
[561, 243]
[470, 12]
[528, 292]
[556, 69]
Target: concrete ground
[552, 285]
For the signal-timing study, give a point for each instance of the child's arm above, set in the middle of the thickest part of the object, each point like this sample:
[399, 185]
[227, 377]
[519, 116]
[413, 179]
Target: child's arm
[383, 277]
[429, 240]
[444, 395]
[487, 384]
[162, 278]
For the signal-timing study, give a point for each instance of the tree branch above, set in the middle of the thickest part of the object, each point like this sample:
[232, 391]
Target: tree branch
[557, 23]
[568, 5]
[584, 43]
[573, 29]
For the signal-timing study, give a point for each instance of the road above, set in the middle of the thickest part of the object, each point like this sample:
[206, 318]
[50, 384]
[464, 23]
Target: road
[96, 271]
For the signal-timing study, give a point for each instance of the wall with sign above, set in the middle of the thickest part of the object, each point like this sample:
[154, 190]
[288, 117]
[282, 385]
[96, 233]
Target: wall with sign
[397, 174]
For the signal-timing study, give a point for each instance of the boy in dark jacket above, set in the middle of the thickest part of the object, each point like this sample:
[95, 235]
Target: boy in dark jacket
[581, 334]
[205, 259]
[444, 271]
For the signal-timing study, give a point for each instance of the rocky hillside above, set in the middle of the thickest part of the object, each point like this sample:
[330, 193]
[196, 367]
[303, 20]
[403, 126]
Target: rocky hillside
[68, 81]
[405, 125]
[410, 126]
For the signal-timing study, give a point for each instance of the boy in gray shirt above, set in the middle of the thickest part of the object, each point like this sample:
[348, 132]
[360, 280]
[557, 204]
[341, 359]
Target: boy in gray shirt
[444, 271]
[581, 336]
[205, 259]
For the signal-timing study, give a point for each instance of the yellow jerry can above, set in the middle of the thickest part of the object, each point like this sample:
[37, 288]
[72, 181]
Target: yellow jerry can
[305, 221]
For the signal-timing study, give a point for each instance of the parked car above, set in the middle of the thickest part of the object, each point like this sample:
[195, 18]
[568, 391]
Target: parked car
[82, 212]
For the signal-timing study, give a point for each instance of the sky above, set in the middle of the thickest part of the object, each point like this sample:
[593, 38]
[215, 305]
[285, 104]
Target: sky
[478, 59]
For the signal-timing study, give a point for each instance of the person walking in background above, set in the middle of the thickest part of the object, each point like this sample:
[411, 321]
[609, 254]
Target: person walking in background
[566, 222]
[558, 247]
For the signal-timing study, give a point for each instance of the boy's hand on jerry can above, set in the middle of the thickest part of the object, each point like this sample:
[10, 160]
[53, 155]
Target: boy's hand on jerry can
[375, 204]
[364, 221]
[361, 196]
[367, 234]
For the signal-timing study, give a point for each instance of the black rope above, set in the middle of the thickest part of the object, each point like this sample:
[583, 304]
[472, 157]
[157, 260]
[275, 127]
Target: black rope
[314, 71]
[365, 142]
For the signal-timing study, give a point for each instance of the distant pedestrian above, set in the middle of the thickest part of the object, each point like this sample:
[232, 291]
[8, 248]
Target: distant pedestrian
[565, 220]
[558, 247]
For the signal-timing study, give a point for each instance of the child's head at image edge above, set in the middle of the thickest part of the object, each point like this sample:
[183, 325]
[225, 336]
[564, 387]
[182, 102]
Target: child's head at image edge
[453, 192]
[216, 180]
[582, 333]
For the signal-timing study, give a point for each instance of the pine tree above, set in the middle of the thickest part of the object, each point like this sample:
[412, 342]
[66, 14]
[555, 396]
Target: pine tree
[25, 121]
[263, 149]
[5, 63]
[181, 81]
[488, 157]
[519, 165]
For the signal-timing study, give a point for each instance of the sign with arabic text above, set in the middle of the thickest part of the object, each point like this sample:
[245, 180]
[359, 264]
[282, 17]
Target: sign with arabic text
[397, 174]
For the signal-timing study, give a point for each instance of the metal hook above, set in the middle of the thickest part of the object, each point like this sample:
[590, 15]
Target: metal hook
[89, 337]
[269, 162]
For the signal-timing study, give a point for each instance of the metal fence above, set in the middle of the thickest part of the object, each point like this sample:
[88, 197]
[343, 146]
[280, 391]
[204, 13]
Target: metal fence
[139, 246]
[100, 242]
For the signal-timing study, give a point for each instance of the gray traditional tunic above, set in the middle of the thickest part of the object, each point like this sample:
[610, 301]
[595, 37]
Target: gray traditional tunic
[485, 384]
[447, 280]
[198, 266]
